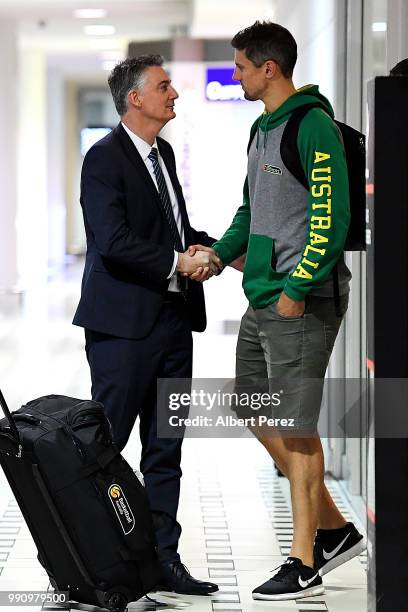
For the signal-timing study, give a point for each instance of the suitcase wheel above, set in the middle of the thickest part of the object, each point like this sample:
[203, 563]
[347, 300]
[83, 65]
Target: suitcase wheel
[117, 602]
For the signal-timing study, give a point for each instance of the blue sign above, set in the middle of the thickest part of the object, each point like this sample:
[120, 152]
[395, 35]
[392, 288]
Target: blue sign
[220, 86]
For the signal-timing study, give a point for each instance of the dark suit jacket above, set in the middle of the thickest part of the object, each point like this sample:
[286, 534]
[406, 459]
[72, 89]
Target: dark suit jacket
[130, 250]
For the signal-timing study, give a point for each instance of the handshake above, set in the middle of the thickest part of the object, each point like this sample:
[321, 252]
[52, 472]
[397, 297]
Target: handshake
[199, 263]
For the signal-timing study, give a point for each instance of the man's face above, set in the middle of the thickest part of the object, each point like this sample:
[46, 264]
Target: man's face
[252, 79]
[157, 95]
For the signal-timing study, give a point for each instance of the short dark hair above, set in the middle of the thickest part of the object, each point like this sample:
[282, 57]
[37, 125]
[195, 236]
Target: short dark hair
[265, 41]
[400, 69]
[128, 75]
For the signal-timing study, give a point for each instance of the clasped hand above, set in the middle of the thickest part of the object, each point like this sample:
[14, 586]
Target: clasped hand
[199, 263]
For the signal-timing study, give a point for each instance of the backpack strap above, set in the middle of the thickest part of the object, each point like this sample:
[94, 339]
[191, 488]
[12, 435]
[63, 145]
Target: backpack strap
[289, 147]
[254, 129]
[336, 292]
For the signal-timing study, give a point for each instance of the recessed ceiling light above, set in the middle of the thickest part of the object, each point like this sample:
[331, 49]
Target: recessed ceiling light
[103, 44]
[99, 30]
[90, 13]
[379, 26]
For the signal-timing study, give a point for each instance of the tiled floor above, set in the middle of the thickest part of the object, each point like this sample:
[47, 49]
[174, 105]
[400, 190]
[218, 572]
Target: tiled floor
[236, 529]
[234, 510]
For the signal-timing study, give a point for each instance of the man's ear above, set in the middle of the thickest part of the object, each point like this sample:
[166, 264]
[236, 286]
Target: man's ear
[271, 69]
[134, 98]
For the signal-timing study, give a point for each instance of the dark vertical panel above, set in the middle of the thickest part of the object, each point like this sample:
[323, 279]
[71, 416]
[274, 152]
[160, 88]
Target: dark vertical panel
[387, 284]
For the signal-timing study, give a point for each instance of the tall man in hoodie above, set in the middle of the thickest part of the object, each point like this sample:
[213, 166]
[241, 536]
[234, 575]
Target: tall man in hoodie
[293, 238]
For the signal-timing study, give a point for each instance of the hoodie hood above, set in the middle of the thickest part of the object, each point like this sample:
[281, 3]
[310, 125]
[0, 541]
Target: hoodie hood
[309, 94]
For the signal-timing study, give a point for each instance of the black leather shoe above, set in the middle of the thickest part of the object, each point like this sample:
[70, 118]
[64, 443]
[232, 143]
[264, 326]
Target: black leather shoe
[178, 579]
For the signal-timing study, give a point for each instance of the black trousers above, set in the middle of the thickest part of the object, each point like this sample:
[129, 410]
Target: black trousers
[124, 378]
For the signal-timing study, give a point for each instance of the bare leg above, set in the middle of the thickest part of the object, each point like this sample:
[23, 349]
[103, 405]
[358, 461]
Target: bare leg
[301, 460]
[306, 476]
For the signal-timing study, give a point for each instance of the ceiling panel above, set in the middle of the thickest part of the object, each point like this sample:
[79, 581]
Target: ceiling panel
[223, 18]
[65, 8]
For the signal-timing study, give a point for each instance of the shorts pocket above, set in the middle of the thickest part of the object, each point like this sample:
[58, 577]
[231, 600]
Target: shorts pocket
[274, 307]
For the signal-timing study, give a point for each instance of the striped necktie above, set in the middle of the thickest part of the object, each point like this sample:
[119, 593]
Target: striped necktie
[182, 282]
[165, 199]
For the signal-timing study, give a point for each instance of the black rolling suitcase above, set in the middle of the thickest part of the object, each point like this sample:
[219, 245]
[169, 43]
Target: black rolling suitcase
[86, 509]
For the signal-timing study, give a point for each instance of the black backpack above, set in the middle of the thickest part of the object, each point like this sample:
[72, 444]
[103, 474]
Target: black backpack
[354, 145]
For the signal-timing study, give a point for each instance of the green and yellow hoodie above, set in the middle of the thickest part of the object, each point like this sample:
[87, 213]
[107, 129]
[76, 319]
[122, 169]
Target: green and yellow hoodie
[293, 237]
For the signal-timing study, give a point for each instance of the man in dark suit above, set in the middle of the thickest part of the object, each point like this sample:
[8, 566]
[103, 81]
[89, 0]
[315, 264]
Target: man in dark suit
[138, 306]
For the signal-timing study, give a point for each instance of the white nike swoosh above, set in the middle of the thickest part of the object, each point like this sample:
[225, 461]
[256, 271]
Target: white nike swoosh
[333, 553]
[305, 583]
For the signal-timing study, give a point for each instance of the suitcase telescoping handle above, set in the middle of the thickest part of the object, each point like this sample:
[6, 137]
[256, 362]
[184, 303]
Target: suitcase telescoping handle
[11, 422]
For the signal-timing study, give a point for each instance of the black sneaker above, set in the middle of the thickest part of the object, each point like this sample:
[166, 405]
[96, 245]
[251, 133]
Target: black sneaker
[293, 581]
[333, 547]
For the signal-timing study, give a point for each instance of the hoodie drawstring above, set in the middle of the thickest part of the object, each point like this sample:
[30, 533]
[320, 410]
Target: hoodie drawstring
[263, 120]
[265, 139]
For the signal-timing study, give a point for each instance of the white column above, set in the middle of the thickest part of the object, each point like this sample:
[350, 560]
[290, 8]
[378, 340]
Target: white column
[32, 222]
[8, 120]
[55, 169]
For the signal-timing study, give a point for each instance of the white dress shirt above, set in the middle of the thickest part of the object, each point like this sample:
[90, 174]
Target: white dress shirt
[144, 149]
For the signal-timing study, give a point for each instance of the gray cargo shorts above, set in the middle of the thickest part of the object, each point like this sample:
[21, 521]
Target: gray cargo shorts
[286, 358]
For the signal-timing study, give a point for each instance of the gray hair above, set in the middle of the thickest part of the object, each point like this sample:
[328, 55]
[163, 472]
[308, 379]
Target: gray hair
[128, 75]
